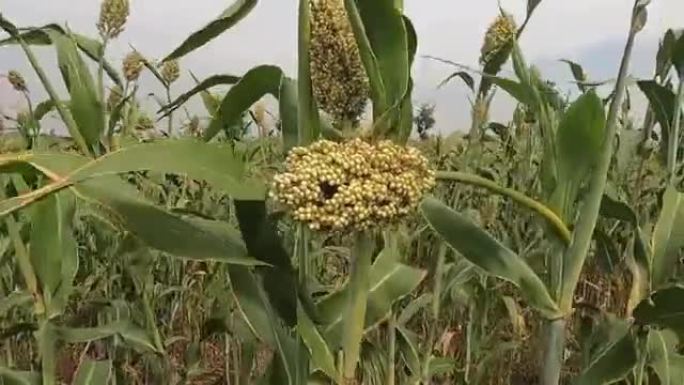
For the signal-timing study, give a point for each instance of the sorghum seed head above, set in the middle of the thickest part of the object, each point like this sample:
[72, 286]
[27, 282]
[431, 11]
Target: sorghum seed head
[115, 97]
[170, 71]
[498, 39]
[16, 80]
[133, 65]
[113, 15]
[351, 186]
[339, 80]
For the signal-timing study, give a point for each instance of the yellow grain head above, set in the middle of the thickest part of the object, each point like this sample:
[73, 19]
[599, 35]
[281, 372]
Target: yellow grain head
[499, 39]
[170, 71]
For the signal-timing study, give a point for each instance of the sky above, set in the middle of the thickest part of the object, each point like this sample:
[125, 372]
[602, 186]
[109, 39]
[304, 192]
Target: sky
[591, 32]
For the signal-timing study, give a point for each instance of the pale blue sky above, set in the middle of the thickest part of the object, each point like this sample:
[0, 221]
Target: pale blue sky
[589, 31]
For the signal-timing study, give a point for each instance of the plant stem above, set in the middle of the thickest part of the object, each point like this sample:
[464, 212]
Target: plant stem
[579, 247]
[434, 313]
[170, 117]
[302, 253]
[64, 113]
[356, 308]
[100, 81]
[554, 344]
[556, 223]
[673, 146]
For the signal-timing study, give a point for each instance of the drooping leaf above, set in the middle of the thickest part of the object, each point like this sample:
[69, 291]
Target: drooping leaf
[91, 372]
[264, 243]
[186, 238]
[668, 237]
[513, 88]
[663, 309]
[463, 75]
[256, 83]
[15, 299]
[261, 319]
[678, 55]
[484, 251]
[201, 87]
[43, 109]
[578, 73]
[227, 19]
[531, 6]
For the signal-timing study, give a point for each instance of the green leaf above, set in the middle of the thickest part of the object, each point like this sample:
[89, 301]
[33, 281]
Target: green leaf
[414, 307]
[578, 73]
[85, 105]
[308, 120]
[487, 253]
[517, 90]
[664, 309]
[440, 366]
[384, 27]
[663, 357]
[321, 355]
[256, 83]
[678, 56]
[259, 315]
[463, 75]
[613, 361]
[668, 237]
[289, 115]
[53, 249]
[368, 58]
[407, 342]
[390, 281]
[228, 18]
[129, 332]
[90, 47]
[200, 88]
[14, 377]
[580, 136]
[91, 372]
[43, 109]
[187, 238]
[264, 243]
[662, 101]
[531, 6]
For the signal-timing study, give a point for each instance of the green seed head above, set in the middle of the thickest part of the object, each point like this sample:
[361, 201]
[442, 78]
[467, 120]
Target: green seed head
[499, 38]
[133, 65]
[339, 80]
[16, 80]
[113, 15]
[170, 71]
[352, 186]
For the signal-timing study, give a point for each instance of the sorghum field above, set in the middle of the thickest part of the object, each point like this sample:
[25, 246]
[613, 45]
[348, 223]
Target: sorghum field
[346, 245]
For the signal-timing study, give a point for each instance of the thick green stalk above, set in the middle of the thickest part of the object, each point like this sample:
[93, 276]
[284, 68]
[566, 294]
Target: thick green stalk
[169, 127]
[355, 315]
[554, 344]
[100, 81]
[673, 145]
[302, 254]
[64, 113]
[474, 180]
[579, 246]
[434, 313]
